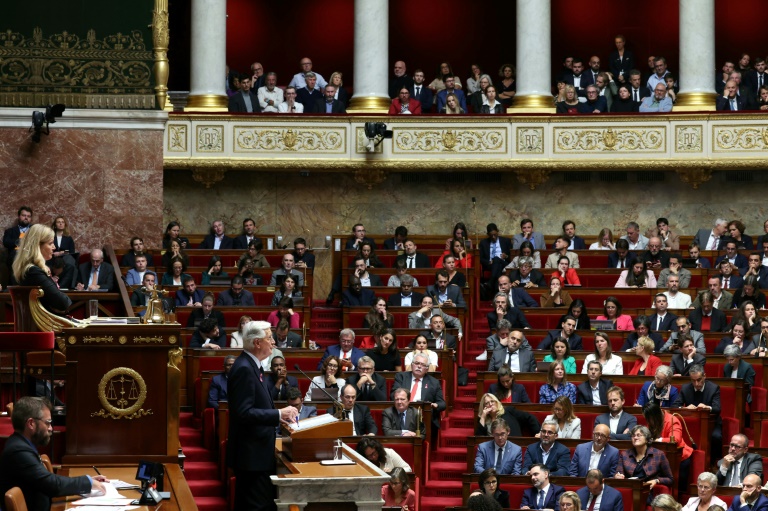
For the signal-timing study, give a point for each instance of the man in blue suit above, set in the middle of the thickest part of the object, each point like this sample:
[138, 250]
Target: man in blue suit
[558, 455]
[730, 100]
[499, 453]
[218, 389]
[543, 495]
[624, 421]
[449, 88]
[750, 497]
[344, 351]
[567, 334]
[605, 498]
[252, 422]
[609, 457]
[421, 92]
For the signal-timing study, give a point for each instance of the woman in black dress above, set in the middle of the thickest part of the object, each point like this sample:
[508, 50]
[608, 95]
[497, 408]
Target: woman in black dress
[29, 267]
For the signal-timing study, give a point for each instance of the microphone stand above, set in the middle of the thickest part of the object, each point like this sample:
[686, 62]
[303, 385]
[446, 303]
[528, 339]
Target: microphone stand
[336, 403]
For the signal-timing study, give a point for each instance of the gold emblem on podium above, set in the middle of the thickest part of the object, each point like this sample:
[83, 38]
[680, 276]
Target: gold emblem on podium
[122, 392]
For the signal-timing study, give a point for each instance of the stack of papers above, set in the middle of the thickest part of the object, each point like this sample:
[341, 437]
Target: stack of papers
[111, 501]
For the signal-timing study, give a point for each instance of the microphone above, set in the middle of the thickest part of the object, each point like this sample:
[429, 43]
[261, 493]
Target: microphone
[336, 403]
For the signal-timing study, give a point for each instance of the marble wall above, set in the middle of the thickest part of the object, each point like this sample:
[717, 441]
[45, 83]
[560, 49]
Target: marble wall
[287, 204]
[108, 183]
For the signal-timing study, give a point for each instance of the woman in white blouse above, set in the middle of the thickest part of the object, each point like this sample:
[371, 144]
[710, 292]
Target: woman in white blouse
[612, 364]
[329, 380]
[706, 487]
[237, 337]
[568, 425]
[604, 241]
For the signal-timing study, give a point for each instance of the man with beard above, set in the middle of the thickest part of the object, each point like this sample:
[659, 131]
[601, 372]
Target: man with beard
[12, 236]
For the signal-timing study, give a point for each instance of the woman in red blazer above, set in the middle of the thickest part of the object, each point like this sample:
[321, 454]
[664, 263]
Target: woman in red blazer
[565, 274]
[646, 363]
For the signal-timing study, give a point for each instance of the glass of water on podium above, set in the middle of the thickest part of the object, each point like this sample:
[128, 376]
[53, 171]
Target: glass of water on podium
[337, 450]
[93, 309]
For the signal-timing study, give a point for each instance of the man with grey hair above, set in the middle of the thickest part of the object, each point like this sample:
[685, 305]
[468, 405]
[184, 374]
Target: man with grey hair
[738, 463]
[660, 390]
[424, 387]
[402, 419]
[345, 351]
[548, 451]
[683, 327]
[299, 80]
[703, 394]
[407, 297]
[595, 103]
[309, 94]
[253, 421]
[739, 369]
[270, 96]
[636, 240]
[712, 239]
[96, 275]
[525, 276]
[658, 101]
[422, 317]
[370, 385]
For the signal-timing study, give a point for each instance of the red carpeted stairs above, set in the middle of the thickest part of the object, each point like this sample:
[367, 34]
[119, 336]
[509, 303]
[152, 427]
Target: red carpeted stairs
[201, 468]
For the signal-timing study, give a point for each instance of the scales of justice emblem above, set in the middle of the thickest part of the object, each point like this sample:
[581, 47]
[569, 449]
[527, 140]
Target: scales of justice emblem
[122, 392]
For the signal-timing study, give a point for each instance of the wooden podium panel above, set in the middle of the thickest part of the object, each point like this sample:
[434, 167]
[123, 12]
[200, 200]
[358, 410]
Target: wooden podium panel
[123, 386]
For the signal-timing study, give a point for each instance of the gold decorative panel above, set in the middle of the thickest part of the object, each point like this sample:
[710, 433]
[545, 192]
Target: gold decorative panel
[460, 140]
[177, 138]
[210, 139]
[530, 140]
[688, 139]
[637, 140]
[299, 139]
[739, 138]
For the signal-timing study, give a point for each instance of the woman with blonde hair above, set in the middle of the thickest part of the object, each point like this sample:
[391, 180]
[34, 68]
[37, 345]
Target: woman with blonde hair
[237, 337]
[568, 425]
[452, 105]
[570, 501]
[604, 241]
[29, 268]
[665, 502]
[489, 409]
[571, 104]
[341, 93]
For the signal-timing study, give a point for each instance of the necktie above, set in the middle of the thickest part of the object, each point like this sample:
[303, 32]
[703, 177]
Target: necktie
[540, 503]
[733, 105]
[636, 93]
[94, 277]
[410, 261]
[658, 323]
[713, 246]
[725, 283]
[735, 479]
[759, 80]
[415, 387]
[418, 90]
[499, 459]
[592, 500]
[402, 418]
[509, 359]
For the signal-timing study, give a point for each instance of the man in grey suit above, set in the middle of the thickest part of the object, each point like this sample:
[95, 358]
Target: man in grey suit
[518, 360]
[619, 422]
[96, 275]
[402, 419]
[738, 463]
[536, 238]
[421, 318]
[295, 400]
[722, 300]
[712, 239]
[445, 295]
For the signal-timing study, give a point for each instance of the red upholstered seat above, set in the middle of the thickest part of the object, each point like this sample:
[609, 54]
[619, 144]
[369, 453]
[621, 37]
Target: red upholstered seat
[27, 341]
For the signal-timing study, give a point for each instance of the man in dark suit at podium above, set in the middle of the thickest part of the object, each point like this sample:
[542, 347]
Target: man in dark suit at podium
[253, 421]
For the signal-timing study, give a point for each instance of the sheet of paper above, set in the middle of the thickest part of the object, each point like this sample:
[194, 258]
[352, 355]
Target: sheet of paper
[122, 485]
[102, 501]
[106, 508]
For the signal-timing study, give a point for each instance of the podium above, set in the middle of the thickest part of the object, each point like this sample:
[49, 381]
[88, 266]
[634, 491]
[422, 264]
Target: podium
[314, 443]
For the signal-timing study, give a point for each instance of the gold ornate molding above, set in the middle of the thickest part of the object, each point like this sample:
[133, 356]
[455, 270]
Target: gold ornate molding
[369, 177]
[689, 138]
[695, 176]
[210, 139]
[532, 178]
[174, 358]
[739, 138]
[530, 140]
[468, 140]
[122, 391]
[636, 140]
[160, 40]
[178, 140]
[208, 176]
[304, 140]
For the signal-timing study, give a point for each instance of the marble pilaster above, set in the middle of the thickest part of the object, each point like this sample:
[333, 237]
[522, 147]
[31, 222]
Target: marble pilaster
[697, 55]
[534, 48]
[371, 57]
[208, 56]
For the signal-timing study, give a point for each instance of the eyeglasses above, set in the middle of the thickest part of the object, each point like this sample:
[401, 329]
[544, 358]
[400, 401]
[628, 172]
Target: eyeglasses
[418, 364]
[599, 435]
[333, 366]
[737, 446]
[492, 482]
[545, 432]
[365, 369]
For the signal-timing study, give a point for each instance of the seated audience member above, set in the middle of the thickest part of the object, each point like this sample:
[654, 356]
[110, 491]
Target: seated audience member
[400, 80]
[731, 100]
[451, 87]
[475, 91]
[517, 359]
[623, 102]
[713, 239]
[63, 274]
[617, 420]
[279, 382]
[172, 232]
[245, 100]
[655, 258]
[135, 275]
[383, 457]
[404, 104]
[567, 333]
[670, 241]
[658, 102]
[731, 264]
[385, 353]
[398, 492]
[642, 326]
[370, 386]
[595, 103]
[396, 242]
[543, 495]
[517, 296]
[502, 311]
[208, 336]
[675, 268]
[242, 241]
[294, 400]
[290, 105]
[506, 390]
[245, 271]
[609, 363]
[666, 502]
[288, 289]
[499, 453]
[358, 414]
[330, 378]
[420, 345]
[568, 425]
[214, 270]
[284, 312]
[597, 495]
[557, 385]
[492, 105]
[760, 340]
[270, 96]
[662, 320]
[345, 351]
[309, 94]
[683, 326]
[594, 391]
[176, 274]
[660, 390]
[444, 294]
[406, 297]
[525, 250]
[366, 279]
[604, 241]
[494, 253]
[739, 337]
[206, 311]
[236, 339]
[189, 295]
[600, 448]
[379, 316]
[706, 485]
[561, 352]
[749, 294]
[402, 419]
[488, 497]
[216, 239]
[647, 362]
[635, 240]
[612, 312]
[622, 257]
[676, 299]
[525, 276]
[96, 275]
[736, 231]
[666, 427]
[236, 295]
[128, 259]
[358, 238]
[561, 250]
[558, 456]
[507, 87]
[655, 469]
[637, 277]
[705, 317]
[424, 387]
[284, 338]
[218, 389]
[421, 319]
[721, 300]
[738, 464]
[756, 269]
[565, 274]
[412, 258]
[421, 92]
[739, 369]
[570, 105]
[687, 358]
[286, 268]
[141, 299]
[328, 104]
[578, 311]
[302, 258]
[356, 295]
[557, 296]
[574, 242]
[461, 259]
[695, 253]
[174, 252]
[578, 78]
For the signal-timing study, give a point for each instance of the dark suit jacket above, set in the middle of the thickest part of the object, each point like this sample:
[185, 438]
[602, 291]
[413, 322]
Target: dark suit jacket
[53, 300]
[551, 498]
[678, 366]
[520, 297]
[449, 340]
[241, 242]
[395, 299]
[350, 244]
[574, 340]
[252, 418]
[536, 277]
[514, 315]
[631, 341]
[218, 390]
[20, 465]
[709, 396]
[505, 244]
[10, 237]
[558, 461]
[724, 104]
[282, 393]
[68, 244]
[627, 421]
[128, 259]
[308, 99]
[644, 92]
[611, 499]
[745, 372]
[668, 323]
[226, 298]
[454, 295]
[182, 298]
[740, 261]
[752, 463]
[368, 393]
[199, 339]
[293, 339]
[106, 275]
[366, 297]
[237, 103]
[613, 259]
[584, 392]
[499, 358]
[421, 260]
[519, 394]
[609, 460]
[617, 65]
[335, 350]
[431, 391]
[391, 424]
[208, 243]
[361, 415]
[196, 316]
[318, 107]
[761, 504]
[718, 321]
[599, 104]
[586, 79]
[307, 258]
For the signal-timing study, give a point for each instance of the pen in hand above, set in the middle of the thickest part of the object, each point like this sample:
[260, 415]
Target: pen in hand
[97, 470]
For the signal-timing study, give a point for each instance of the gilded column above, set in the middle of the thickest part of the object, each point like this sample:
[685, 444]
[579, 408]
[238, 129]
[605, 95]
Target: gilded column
[371, 57]
[208, 56]
[697, 56]
[534, 84]
[160, 38]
